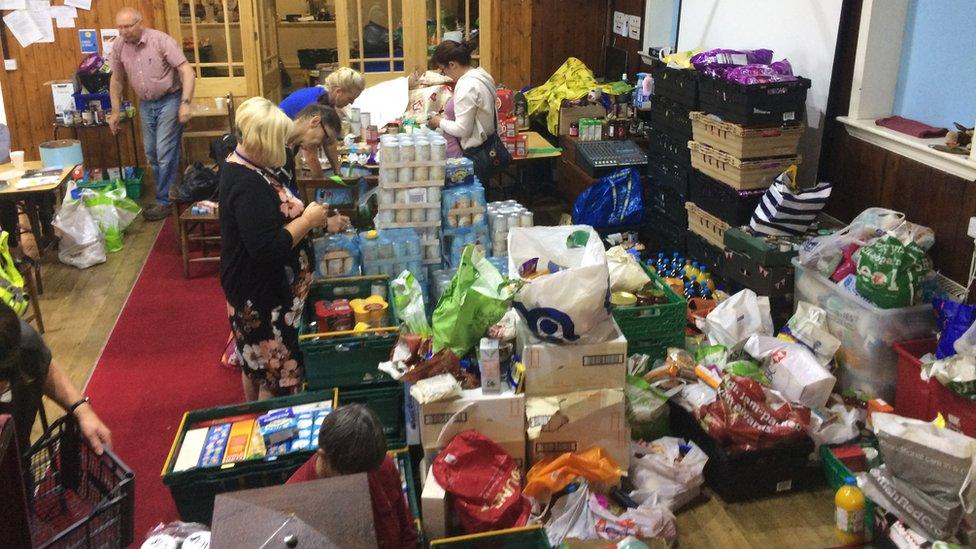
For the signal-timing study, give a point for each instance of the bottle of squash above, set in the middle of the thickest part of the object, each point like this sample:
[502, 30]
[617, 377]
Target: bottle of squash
[849, 513]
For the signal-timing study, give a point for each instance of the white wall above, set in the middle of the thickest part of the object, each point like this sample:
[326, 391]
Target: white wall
[803, 31]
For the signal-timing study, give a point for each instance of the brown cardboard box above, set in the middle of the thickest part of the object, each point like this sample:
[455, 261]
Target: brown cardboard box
[574, 422]
[568, 115]
[500, 417]
[552, 369]
[435, 508]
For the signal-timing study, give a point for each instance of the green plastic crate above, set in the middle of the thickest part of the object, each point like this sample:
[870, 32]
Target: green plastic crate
[194, 490]
[133, 185]
[405, 463]
[386, 401]
[651, 329]
[835, 472]
[348, 359]
[528, 537]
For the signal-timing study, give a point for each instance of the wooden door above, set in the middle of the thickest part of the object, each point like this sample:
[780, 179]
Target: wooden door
[400, 53]
[466, 19]
[210, 33]
[266, 50]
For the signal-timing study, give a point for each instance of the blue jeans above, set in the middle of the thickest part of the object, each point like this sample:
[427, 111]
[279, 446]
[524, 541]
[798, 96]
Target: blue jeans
[161, 133]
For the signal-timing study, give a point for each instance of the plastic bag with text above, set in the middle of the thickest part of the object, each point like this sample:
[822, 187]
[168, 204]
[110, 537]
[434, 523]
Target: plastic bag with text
[668, 470]
[645, 521]
[747, 416]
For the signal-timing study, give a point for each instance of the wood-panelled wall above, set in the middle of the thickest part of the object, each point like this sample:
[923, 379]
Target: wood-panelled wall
[532, 38]
[631, 46]
[27, 91]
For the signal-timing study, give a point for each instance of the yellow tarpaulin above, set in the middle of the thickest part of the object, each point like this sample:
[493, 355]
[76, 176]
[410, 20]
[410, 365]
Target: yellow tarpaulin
[571, 81]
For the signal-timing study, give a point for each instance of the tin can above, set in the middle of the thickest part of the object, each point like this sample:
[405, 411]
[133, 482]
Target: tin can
[86, 118]
[526, 219]
[499, 222]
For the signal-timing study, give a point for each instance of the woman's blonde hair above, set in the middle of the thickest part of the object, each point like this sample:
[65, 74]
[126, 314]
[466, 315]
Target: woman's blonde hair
[345, 79]
[264, 131]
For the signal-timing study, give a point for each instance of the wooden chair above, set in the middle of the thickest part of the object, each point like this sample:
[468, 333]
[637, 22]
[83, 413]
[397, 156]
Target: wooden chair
[28, 269]
[196, 228]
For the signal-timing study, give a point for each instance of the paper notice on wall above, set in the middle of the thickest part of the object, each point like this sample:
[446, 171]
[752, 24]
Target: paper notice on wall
[634, 26]
[619, 23]
[13, 4]
[40, 12]
[65, 22]
[64, 12]
[108, 38]
[80, 4]
[23, 27]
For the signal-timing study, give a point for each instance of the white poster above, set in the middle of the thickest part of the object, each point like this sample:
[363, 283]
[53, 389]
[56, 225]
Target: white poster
[108, 38]
[40, 12]
[23, 27]
[13, 4]
[619, 23]
[80, 4]
[64, 12]
[65, 22]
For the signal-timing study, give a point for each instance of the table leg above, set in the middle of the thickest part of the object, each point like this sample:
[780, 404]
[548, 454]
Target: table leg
[185, 250]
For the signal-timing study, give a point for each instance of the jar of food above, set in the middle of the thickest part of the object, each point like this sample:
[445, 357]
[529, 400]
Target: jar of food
[574, 129]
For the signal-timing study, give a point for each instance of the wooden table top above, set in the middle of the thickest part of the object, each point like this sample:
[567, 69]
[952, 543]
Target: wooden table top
[11, 186]
[536, 141]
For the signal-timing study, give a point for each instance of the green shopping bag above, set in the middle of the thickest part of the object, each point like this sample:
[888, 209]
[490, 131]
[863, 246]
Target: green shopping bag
[889, 272]
[11, 282]
[113, 212]
[476, 299]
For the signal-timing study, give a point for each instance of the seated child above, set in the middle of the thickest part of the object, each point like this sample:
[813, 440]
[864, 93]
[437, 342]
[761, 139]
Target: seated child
[351, 441]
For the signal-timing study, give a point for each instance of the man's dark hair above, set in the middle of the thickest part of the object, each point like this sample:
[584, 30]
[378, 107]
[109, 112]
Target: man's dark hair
[327, 114]
[352, 439]
[10, 353]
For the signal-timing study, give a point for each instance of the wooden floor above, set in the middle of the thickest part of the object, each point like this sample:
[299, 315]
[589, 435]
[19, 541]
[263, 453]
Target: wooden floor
[80, 309]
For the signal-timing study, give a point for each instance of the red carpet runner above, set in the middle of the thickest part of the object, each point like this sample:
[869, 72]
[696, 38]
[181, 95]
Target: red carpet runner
[161, 360]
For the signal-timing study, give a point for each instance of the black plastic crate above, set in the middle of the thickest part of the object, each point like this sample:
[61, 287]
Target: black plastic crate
[661, 234]
[668, 173]
[667, 201]
[679, 85]
[711, 257]
[768, 281]
[661, 143]
[386, 400]
[671, 116]
[733, 206]
[771, 104]
[749, 475]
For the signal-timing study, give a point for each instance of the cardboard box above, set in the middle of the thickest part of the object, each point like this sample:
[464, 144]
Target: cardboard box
[568, 115]
[434, 508]
[552, 369]
[500, 417]
[574, 422]
[514, 448]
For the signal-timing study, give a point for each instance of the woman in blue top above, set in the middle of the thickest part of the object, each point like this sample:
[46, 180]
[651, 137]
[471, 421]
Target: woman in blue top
[340, 88]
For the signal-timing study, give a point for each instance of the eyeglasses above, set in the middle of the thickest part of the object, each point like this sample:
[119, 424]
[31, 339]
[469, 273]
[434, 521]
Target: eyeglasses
[129, 26]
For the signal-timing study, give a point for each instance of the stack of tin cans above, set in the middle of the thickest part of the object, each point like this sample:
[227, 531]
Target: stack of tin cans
[502, 216]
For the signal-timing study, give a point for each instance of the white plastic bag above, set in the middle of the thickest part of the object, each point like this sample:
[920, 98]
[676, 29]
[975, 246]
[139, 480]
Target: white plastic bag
[574, 298]
[737, 318]
[81, 243]
[824, 253]
[834, 425]
[626, 274]
[571, 518]
[809, 326]
[646, 521]
[662, 474]
[792, 370]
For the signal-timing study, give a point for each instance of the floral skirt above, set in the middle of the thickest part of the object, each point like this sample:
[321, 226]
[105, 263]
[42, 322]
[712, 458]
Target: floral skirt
[267, 343]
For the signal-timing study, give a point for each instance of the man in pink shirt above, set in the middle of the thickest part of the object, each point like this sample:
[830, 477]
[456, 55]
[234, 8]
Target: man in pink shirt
[154, 64]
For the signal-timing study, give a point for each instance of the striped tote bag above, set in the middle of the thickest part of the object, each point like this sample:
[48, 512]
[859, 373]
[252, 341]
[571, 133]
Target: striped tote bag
[785, 212]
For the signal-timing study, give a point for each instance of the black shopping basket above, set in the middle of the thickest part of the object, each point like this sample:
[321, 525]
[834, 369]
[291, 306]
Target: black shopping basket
[77, 498]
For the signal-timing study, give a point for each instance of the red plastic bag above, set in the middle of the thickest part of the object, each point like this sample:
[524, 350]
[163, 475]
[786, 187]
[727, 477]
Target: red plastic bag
[484, 482]
[748, 416]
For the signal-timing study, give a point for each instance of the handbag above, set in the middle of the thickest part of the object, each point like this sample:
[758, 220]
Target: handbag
[199, 183]
[491, 156]
[784, 211]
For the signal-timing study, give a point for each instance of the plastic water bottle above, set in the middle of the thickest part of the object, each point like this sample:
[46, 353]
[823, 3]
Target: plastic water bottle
[849, 513]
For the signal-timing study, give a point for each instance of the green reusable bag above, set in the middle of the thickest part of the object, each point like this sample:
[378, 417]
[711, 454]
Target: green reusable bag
[476, 299]
[11, 281]
[113, 212]
[889, 272]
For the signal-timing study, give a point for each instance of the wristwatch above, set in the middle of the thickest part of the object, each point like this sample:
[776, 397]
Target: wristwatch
[76, 405]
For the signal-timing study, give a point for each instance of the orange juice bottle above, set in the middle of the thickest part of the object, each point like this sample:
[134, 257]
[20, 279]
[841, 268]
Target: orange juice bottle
[849, 513]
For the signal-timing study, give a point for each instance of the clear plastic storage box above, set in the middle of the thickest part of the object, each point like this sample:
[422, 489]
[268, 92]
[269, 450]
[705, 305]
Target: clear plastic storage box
[867, 359]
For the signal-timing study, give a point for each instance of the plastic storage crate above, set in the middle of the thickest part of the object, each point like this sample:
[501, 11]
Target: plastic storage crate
[867, 359]
[748, 475]
[194, 490]
[671, 117]
[667, 145]
[743, 142]
[761, 250]
[835, 472]
[76, 498]
[386, 401]
[706, 225]
[345, 359]
[771, 104]
[651, 329]
[133, 185]
[668, 173]
[528, 537]
[706, 253]
[663, 235]
[769, 281]
[735, 172]
[679, 85]
[733, 206]
[668, 202]
[83, 100]
[924, 400]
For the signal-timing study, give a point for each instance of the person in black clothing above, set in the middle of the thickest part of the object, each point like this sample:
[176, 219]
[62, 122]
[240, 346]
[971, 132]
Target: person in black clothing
[265, 263]
[27, 373]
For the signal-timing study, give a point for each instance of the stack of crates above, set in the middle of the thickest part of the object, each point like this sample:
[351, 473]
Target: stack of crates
[743, 137]
[675, 95]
